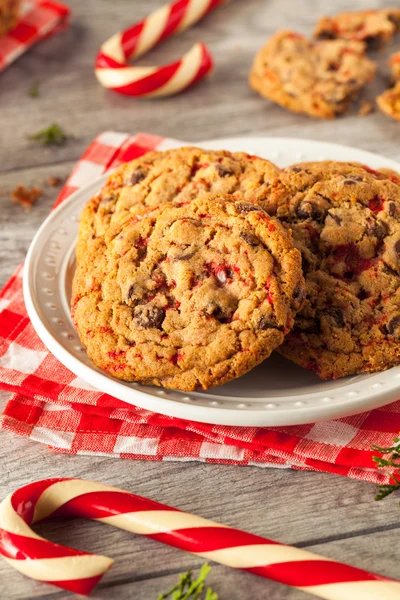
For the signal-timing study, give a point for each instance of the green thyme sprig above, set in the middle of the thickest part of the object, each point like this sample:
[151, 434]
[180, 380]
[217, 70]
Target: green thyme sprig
[189, 589]
[51, 136]
[33, 91]
[393, 460]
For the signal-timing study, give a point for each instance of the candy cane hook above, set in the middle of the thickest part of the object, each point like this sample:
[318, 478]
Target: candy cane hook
[114, 72]
[79, 571]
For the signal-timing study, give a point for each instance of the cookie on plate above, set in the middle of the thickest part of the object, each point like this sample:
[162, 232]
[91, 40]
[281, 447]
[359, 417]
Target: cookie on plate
[190, 296]
[9, 10]
[389, 101]
[316, 78]
[345, 219]
[173, 176]
[375, 27]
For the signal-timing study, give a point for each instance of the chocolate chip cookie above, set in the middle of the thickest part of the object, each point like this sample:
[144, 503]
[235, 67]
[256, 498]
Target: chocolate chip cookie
[389, 101]
[189, 296]
[319, 79]
[375, 27]
[174, 176]
[345, 220]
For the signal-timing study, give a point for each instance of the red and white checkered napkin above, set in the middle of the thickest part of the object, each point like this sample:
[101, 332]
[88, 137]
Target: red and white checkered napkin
[38, 19]
[52, 406]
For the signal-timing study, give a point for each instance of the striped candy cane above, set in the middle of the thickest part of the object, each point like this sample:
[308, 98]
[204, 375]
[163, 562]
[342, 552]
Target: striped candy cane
[80, 571]
[114, 73]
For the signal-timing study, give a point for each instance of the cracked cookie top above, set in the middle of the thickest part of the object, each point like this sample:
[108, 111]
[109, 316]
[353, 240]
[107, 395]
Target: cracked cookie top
[171, 177]
[189, 296]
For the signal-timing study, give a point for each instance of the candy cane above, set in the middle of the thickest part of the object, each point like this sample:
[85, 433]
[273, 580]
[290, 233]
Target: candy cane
[80, 571]
[114, 73]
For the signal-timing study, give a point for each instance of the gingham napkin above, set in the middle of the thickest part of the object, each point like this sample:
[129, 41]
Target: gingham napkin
[38, 19]
[52, 406]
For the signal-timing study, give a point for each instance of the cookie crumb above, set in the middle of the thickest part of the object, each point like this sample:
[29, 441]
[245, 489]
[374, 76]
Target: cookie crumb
[26, 197]
[366, 108]
[54, 181]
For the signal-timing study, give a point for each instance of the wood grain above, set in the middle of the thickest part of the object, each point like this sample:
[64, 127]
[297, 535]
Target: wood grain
[334, 516]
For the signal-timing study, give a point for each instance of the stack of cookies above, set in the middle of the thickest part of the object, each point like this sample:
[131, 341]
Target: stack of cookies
[321, 78]
[194, 265]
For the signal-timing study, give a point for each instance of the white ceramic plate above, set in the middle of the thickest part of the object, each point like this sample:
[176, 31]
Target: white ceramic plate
[275, 393]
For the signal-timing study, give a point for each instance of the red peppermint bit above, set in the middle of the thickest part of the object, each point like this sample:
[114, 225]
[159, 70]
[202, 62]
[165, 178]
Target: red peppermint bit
[114, 354]
[117, 367]
[376, 204]
[174, 359]
[269, 298]
[350, 255]
[104, 329]
[236, 269]
[394, 178]
[371, 171]
[221, 272]
[197, 167]
[138, 355]
[142, 242]
[271, 227]
[349, 51]
[89, 333]
[203, 215]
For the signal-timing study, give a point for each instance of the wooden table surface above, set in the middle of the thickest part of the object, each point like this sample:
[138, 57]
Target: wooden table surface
[328, 514]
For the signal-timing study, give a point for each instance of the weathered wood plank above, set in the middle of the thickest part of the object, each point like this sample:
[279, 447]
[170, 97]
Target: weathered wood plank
[331, 515]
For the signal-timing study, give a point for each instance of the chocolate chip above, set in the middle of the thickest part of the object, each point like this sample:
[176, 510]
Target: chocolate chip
[185, 256]
[214, 310]
[131, 292]
[373, 42]
[223, 171]
[337, 315]
[135, 177]
[308, 210]
[296, 169]
[393, 19]
[336, 218]
[363, 294]
[349, 182]
[378, 230]
[392, 209]
[393, 327]
[388, 270]
[246, 207]
[251, 239]
[396, 248]
[265, 323]
[149, 317]
[326, 35]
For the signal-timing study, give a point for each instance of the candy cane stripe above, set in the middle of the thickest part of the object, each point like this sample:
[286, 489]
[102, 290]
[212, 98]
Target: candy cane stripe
[63, 568]
[152, 522]
[80, 571]
[358, 590]
[175, 16]
[253, 557]
[112, 68]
